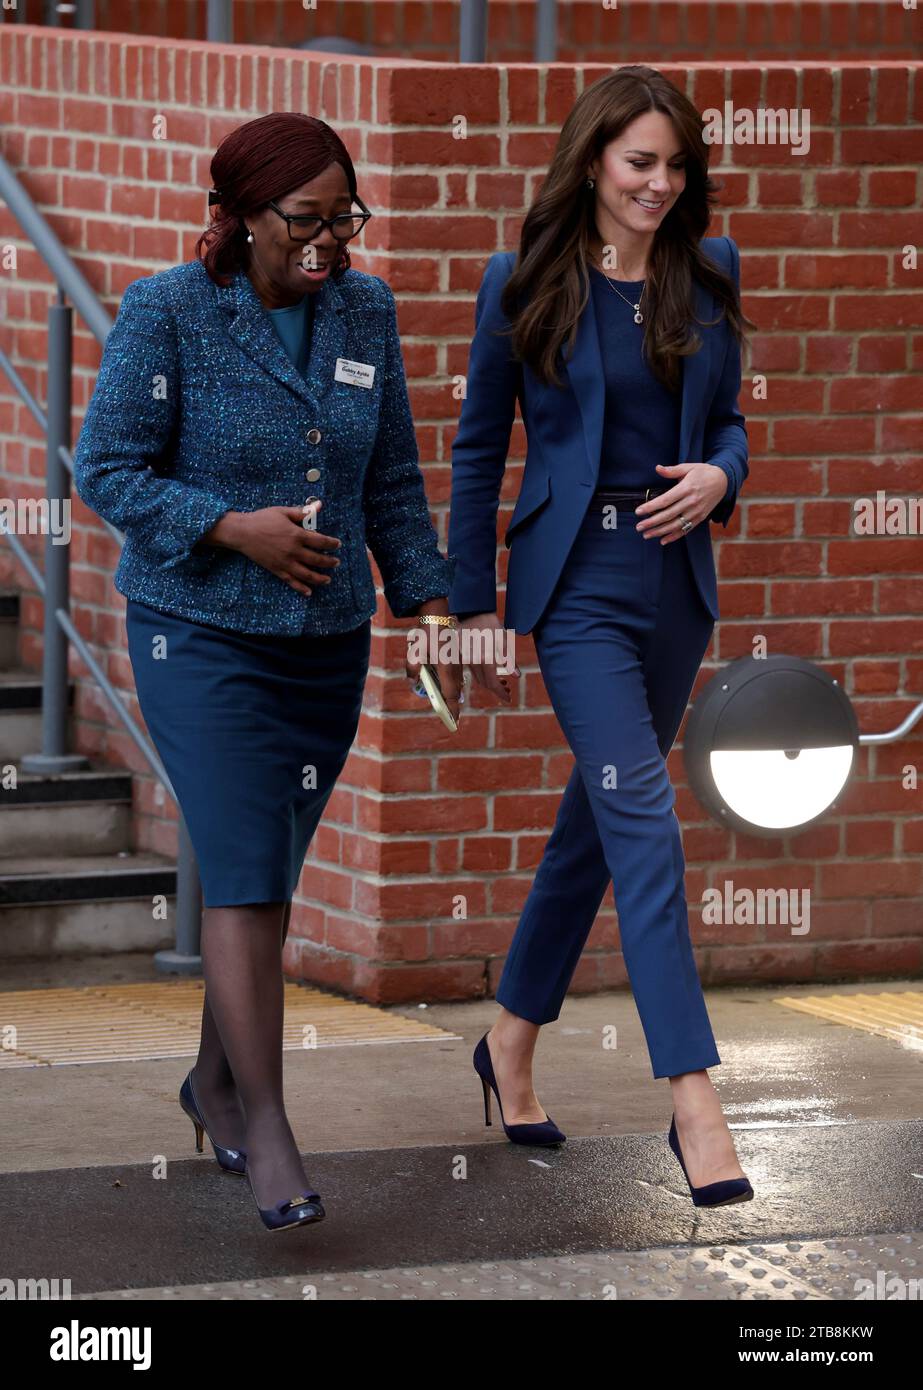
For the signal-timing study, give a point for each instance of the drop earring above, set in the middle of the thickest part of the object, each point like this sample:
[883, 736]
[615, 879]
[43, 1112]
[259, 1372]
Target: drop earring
[250, 237]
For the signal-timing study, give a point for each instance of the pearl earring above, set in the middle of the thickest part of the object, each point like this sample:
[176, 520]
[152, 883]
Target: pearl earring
[250, 237]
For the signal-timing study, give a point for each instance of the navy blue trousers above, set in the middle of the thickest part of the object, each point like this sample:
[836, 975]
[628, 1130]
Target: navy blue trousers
[618, 646]
[253, 730]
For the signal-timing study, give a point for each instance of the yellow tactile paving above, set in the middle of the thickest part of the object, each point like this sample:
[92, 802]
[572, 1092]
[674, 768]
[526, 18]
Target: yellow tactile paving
[128, 1023]
[897, 1015]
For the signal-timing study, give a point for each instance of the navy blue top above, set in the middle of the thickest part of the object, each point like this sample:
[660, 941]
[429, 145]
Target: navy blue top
[293, 325]
[642, 417]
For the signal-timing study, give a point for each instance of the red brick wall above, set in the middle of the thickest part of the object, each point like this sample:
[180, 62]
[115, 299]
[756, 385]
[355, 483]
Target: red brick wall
[419, 816]
[656, 31]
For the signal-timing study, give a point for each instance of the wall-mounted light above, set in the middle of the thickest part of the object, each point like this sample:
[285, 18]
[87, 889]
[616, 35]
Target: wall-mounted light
[771, 743]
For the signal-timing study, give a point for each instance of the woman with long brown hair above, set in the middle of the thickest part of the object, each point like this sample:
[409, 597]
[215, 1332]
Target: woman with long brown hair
[635, 444]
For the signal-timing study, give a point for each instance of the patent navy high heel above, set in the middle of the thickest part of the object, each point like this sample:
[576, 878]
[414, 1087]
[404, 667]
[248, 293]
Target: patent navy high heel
[301, 1210]
[232, 1160]
[545, 1132]
[713, 1194]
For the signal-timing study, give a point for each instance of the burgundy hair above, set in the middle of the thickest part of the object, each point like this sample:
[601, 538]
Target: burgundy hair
[261, 160]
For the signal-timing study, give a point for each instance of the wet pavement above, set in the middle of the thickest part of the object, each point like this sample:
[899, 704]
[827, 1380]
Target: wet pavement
[110, 1228]
[100, 1184]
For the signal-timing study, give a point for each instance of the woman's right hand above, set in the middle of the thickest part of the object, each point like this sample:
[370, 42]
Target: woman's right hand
[486, 673]
[275, 538]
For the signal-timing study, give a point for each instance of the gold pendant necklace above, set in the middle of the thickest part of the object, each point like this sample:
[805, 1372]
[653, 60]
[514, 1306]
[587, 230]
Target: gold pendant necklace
[639, 317]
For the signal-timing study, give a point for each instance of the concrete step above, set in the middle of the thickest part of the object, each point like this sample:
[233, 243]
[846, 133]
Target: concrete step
[21, 712]
[9, 630]
[97, 904]
[82, 812]
[69, 881]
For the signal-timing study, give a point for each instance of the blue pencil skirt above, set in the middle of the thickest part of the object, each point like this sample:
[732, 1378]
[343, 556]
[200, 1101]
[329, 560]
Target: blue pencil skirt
[253, 730]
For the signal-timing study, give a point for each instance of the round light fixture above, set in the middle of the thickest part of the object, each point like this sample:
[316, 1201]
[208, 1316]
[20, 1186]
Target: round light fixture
[770, 744]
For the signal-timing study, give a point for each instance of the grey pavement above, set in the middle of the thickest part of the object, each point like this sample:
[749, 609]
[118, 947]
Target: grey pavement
[423, 1202]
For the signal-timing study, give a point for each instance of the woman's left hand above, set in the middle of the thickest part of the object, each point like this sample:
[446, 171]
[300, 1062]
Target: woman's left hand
[700, 488]
[450, 675]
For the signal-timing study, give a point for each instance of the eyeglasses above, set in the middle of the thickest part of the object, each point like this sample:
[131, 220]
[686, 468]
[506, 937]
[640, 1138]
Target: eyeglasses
[307, 228]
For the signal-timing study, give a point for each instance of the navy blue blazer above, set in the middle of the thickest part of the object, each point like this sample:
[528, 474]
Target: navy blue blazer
[564, 433]
[198, 410]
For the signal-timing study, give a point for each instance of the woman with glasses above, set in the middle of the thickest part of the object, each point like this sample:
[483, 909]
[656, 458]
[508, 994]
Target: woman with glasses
[250, 431]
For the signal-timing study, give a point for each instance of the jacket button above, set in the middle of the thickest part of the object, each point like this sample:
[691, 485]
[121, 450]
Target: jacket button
[312, 475]
[314, 436]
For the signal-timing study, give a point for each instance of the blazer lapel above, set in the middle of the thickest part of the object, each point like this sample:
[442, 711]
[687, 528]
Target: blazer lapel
[251, 328]
[695, 374]
[584, 369]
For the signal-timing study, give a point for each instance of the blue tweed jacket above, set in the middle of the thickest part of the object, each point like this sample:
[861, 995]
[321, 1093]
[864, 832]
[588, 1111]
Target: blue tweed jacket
[198, 410]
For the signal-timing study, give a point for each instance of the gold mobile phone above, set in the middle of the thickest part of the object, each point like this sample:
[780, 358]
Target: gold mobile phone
[430, 682]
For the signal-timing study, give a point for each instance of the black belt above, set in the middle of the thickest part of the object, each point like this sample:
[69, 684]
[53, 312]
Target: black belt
[623, 501]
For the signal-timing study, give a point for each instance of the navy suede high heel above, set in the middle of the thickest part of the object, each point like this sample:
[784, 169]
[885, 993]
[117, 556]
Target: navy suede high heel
[232, 1160]
[713, 1194]
[545, 1132]
[306, 1206]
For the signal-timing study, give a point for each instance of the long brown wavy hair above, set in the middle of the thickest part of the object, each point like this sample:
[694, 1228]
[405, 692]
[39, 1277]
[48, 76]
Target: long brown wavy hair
[549, 286]
[261, 160]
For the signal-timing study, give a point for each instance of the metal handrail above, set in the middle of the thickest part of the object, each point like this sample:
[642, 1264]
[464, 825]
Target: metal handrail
[54, 584]
[41, 419]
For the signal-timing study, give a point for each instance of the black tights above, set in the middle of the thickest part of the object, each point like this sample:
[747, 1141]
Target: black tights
[238, 1072]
